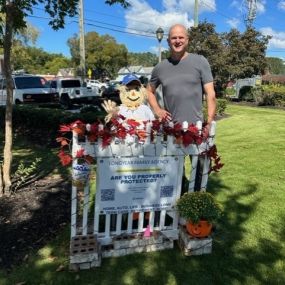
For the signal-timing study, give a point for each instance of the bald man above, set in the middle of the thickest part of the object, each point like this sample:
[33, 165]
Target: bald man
[184, 78]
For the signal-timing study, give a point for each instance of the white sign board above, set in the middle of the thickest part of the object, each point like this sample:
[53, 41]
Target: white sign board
[138, 184]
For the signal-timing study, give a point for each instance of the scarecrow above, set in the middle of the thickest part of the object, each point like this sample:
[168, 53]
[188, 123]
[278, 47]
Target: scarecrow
[133, 96]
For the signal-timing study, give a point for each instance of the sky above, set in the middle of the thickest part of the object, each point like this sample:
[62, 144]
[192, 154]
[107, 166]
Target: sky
[135, 27]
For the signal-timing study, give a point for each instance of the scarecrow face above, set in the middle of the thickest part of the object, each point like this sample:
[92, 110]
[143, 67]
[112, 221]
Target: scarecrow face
[132, 95]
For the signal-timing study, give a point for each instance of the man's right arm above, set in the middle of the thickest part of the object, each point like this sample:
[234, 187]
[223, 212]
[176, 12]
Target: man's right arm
[158, 111]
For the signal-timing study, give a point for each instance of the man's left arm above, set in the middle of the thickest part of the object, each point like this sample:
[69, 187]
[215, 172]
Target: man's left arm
[211, 104]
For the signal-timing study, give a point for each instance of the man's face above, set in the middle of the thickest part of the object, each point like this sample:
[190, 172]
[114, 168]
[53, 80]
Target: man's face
[178, 39]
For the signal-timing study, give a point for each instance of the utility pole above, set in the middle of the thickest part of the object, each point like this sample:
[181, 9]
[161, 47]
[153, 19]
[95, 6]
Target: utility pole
[196, 14]
[250, 7]
[81, 40]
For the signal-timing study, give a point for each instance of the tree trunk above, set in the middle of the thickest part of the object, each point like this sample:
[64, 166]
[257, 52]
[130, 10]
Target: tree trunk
[9, 102]
[1, 181]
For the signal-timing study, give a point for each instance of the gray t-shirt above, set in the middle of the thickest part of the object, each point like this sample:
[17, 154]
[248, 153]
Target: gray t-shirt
[182, 86]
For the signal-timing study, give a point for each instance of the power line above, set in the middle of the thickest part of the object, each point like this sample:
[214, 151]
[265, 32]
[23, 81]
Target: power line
[139, 33]
[115, 30]
[215, 10]
[109, 15]
[104, 23]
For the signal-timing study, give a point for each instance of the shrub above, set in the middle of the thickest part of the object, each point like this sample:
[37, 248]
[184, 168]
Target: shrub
[196, 206]
[220, 110]
[270, 95]
[41, 125]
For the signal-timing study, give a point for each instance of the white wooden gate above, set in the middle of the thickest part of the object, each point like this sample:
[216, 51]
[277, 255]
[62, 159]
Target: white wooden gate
[85, 217]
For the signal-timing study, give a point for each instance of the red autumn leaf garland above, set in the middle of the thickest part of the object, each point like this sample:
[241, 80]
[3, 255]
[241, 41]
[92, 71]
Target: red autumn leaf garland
[64, 158]
[119, 128]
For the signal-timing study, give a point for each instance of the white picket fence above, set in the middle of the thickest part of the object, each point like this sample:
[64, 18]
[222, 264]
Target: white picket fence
[87, 219]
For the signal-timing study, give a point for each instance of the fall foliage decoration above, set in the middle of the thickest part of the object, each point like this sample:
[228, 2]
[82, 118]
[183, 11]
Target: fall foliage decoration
[120, 129]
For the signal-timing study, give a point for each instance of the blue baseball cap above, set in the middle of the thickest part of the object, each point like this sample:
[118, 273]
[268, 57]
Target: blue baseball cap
[129, 78]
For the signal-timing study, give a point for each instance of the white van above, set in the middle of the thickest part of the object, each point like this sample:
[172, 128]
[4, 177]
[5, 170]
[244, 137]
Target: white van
[28, 89]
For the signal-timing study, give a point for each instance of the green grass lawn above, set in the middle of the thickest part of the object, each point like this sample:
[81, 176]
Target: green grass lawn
[249, 241]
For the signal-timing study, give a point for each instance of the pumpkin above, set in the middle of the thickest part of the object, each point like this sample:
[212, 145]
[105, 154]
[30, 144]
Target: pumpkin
[201, 229]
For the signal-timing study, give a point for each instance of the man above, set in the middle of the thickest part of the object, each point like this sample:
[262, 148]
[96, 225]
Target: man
[184, 78]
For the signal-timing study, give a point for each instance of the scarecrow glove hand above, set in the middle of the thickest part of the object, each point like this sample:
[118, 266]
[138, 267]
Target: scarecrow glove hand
[111, 108]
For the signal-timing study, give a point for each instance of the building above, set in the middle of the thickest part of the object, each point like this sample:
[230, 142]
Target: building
[138, 70]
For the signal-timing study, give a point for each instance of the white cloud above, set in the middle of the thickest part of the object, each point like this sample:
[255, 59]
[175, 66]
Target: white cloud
[142, 17]
[260, 6]
[278, 38]
[281, 5]
[234, 22]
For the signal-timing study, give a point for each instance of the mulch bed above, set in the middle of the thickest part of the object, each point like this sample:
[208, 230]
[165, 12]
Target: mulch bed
[32, 217]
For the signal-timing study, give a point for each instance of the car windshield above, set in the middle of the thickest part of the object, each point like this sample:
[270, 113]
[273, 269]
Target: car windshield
[30, 82]
[70, 83]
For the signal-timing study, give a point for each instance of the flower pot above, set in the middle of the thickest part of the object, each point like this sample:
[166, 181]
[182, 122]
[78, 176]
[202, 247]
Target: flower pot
[201, 229]
[80, 174]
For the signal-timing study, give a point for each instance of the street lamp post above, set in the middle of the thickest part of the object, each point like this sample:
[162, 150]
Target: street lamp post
[159, 35]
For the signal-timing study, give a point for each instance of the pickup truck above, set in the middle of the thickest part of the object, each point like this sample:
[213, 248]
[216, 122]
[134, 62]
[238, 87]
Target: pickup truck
[71, 91]
[28, 89]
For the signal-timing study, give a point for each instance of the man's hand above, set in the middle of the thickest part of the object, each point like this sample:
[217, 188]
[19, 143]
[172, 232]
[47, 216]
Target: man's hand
[111, 108]
[163, 114]
[206, 131]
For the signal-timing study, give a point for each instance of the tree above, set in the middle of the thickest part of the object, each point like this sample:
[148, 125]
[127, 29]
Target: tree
[231, 55]
[245, 53]
[144, 58]
[36, 60]
[14, 12]
[103, 53]
[275, 65]
[206, 41]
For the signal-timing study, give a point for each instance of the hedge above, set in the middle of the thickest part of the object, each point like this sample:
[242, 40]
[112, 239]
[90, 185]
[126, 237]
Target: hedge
[41, 125]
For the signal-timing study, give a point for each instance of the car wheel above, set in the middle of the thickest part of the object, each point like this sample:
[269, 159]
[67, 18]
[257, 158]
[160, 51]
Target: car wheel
[65, 102]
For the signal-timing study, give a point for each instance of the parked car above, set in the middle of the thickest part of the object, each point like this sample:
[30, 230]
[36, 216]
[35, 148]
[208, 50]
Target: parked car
[93, 83]
[28, 89]
[72, 92]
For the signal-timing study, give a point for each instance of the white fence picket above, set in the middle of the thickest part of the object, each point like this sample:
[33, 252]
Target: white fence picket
[106, 226]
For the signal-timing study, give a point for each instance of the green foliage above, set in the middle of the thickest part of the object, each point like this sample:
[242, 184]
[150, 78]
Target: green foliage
[231, 55]
[275, 65]
[230, 91]
[196, 206]
[144, 59]
[103, 53]
[37, 61]
[124, 3]
[269, 95]
[24, 173]
[244, 53]
[248, 247]
[220, 108]
[41, 125]
[57, 10]
[206, 41]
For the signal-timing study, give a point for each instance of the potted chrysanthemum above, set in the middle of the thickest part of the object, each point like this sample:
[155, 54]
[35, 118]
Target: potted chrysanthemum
[200, 210]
